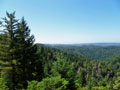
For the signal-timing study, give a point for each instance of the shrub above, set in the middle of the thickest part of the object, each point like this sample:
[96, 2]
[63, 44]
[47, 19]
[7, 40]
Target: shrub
[49, 83]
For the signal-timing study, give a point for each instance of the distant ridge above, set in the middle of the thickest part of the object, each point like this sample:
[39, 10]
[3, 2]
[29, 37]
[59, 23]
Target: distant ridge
[86, 44]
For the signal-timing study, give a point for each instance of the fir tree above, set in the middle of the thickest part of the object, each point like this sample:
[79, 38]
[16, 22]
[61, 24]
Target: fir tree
[25, 54]
[7, 44]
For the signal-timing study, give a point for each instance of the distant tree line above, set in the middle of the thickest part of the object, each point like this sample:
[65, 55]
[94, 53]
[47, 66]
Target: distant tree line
[91, 51]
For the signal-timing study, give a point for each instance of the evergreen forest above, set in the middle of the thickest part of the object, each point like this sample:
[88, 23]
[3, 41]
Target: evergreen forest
[26, 65]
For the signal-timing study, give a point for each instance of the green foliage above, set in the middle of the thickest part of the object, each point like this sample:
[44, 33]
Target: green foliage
[93, 88]
[25, 55]
[92, 51]
[117, 82]
[3, 84]
[84, 73]
[82, 78]
[51, 83]
[103, 82]
[100, 88]
[9, 24]
[18, 49]
[32, 85]
[66, 70]
[82, 88]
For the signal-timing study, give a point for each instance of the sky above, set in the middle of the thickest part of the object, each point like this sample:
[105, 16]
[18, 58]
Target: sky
[68, 21]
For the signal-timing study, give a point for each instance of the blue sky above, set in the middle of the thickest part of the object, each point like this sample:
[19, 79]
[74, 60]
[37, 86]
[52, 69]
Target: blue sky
[68, 21]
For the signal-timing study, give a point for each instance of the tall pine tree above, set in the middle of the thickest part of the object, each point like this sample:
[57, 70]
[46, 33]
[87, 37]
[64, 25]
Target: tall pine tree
[25, 54]
[19, 51]
[7, 45]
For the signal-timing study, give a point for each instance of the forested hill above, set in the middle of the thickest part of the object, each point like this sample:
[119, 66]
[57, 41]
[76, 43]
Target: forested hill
[90, 73]
[53, 53]
[91, 51]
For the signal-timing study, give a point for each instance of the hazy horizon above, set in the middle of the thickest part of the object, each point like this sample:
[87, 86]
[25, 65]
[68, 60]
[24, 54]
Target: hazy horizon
[83, 43]
[68, 21]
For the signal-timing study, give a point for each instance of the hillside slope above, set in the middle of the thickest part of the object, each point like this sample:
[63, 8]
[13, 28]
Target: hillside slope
[90, 51]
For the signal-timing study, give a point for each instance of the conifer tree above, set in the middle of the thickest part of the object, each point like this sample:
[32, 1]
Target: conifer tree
[19, 51]
[7, 45]
[5, 67]
[25, 54]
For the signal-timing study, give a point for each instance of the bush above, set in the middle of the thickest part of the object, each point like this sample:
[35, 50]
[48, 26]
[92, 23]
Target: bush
[3, 85]
[49, 83]
[100, 88]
